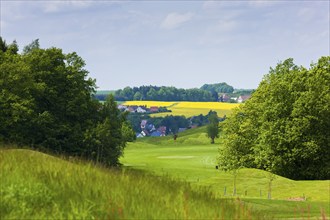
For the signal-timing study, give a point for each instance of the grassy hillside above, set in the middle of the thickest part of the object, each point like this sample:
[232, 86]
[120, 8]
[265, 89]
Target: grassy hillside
[39, 186]
[192, 158]
[188, 109]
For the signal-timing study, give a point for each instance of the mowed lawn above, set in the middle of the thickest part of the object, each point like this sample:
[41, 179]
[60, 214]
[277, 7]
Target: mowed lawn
[185, 160]
[187, 109]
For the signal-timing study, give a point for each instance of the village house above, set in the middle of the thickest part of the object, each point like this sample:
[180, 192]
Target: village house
[224, 98]
[243, 98]
[162, 130]
[151, 127]
[140, 109]
[143, 124]
[145, 133]
[154, 109]
[122, 108]
[132, 108]
[156, 134]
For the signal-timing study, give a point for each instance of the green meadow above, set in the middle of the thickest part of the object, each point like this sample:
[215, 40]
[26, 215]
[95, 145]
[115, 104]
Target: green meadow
[160, 179]
[191, 158]
[39, 186]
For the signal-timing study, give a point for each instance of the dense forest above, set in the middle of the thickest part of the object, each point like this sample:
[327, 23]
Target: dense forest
[284, 127]
[47, 103]
[208, 92]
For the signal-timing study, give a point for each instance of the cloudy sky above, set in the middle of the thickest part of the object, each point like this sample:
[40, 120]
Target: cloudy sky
[174, 43]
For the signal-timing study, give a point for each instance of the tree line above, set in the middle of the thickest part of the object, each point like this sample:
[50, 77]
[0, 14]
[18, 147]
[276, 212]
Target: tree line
[284, 127]
[208, 92]
[47, 102]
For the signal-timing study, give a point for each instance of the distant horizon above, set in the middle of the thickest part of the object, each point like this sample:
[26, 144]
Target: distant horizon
[98, 89]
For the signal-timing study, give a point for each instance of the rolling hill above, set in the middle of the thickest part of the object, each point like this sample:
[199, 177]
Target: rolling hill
[192, 158]
[39, 186]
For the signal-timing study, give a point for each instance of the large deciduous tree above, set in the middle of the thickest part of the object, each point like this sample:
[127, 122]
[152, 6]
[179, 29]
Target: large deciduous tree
[284, 127]
[47, 102]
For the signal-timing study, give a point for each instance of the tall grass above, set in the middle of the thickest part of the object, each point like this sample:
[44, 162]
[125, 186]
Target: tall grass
[39, 186]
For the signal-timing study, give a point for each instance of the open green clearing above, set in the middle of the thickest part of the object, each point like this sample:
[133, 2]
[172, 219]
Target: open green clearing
[192, 158]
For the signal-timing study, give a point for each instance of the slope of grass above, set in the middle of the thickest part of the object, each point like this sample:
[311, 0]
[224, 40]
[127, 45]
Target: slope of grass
[195, 163]
[39, 186]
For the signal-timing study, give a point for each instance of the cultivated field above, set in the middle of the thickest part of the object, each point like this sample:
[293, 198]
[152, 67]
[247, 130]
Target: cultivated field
[188, 109]
[192, 158]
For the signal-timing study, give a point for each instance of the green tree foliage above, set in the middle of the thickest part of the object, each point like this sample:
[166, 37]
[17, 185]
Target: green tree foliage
[47, 102]
[105, 142]
[137, 96]
[3, 45]
[128, 132]
[164, 94]
[32, 46]
[13, 47]
[16, 97]
[284, 127]
[173, 123]
[218, 88]
[213, 126]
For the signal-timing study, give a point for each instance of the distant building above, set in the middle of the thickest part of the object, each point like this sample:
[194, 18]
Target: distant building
[122, 108]
[139, 135]
[132, 108]
[156, 134]
[243, 98]
[162, 130]
[224, 98]
[140, 109]
[151, 127]
[145, 133]
[143, 124]
[154, 109]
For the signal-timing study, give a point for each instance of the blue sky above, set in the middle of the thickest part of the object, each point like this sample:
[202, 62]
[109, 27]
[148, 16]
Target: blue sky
[174, 43]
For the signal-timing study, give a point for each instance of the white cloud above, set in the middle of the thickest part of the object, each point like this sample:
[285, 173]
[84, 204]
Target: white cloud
[262, 3]
[174, 20]
[56, 6]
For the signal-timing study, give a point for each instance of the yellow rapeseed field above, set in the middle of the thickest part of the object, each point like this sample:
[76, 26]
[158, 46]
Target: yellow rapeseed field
[188, 109]
[207, 105]
[149, 103]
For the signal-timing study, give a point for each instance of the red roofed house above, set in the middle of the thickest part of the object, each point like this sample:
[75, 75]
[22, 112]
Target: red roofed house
[162, 130]
[154, 109]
